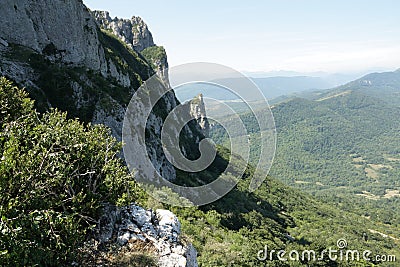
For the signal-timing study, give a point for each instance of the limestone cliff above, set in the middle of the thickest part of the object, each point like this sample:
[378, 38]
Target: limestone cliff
[135, 33]
[45, 25]
[57, 51]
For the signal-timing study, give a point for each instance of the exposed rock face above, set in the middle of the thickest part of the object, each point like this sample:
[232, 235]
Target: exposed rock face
[162, 68]
[66, 26]
[126, 29]
[58, 33]
[134, 32]
[198, 112]
[160, 229]
[83, 95]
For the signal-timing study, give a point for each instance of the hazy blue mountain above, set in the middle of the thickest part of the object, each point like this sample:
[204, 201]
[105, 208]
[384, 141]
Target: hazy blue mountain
[273, 87]
[384, 85]
[282, 84]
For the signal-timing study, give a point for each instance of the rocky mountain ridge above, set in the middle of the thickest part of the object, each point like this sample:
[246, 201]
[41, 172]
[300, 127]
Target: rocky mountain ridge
[134, 32]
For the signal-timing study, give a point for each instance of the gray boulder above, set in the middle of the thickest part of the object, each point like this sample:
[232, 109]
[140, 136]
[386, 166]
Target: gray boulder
[161, 229]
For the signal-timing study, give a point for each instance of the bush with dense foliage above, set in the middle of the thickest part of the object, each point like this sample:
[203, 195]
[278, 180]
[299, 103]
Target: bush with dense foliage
[55, 173]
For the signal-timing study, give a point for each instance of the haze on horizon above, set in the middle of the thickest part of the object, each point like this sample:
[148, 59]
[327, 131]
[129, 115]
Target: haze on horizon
[303, 36]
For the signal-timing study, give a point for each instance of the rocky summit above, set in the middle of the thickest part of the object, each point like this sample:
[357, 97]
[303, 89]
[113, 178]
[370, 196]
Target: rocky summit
[198, 112]
[132, 31]
[135, 34]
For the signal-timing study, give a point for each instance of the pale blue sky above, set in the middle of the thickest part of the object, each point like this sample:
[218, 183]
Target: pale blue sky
[299, 35]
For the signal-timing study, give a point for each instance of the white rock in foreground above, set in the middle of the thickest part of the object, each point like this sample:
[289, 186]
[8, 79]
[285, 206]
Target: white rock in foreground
[160, 228]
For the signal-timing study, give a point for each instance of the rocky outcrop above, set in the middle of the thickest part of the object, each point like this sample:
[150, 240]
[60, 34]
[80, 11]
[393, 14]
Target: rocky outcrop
[53, 26]
[134, 32]
[160, 229]
[197, 110]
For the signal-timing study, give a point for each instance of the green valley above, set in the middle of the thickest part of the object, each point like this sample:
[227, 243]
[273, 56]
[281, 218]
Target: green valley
[341, 145]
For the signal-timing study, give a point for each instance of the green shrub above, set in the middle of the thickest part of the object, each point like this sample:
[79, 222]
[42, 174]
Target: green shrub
[153, 54]
[55, 173]
[14, 102]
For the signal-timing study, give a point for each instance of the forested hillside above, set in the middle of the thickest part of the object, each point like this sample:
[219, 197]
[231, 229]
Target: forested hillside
[341, 145]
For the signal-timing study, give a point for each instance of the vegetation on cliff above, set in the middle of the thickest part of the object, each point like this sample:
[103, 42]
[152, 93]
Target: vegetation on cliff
[55, 173]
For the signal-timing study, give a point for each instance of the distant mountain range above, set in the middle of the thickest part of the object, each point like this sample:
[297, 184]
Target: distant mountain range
[273, 84]
[384, 86]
